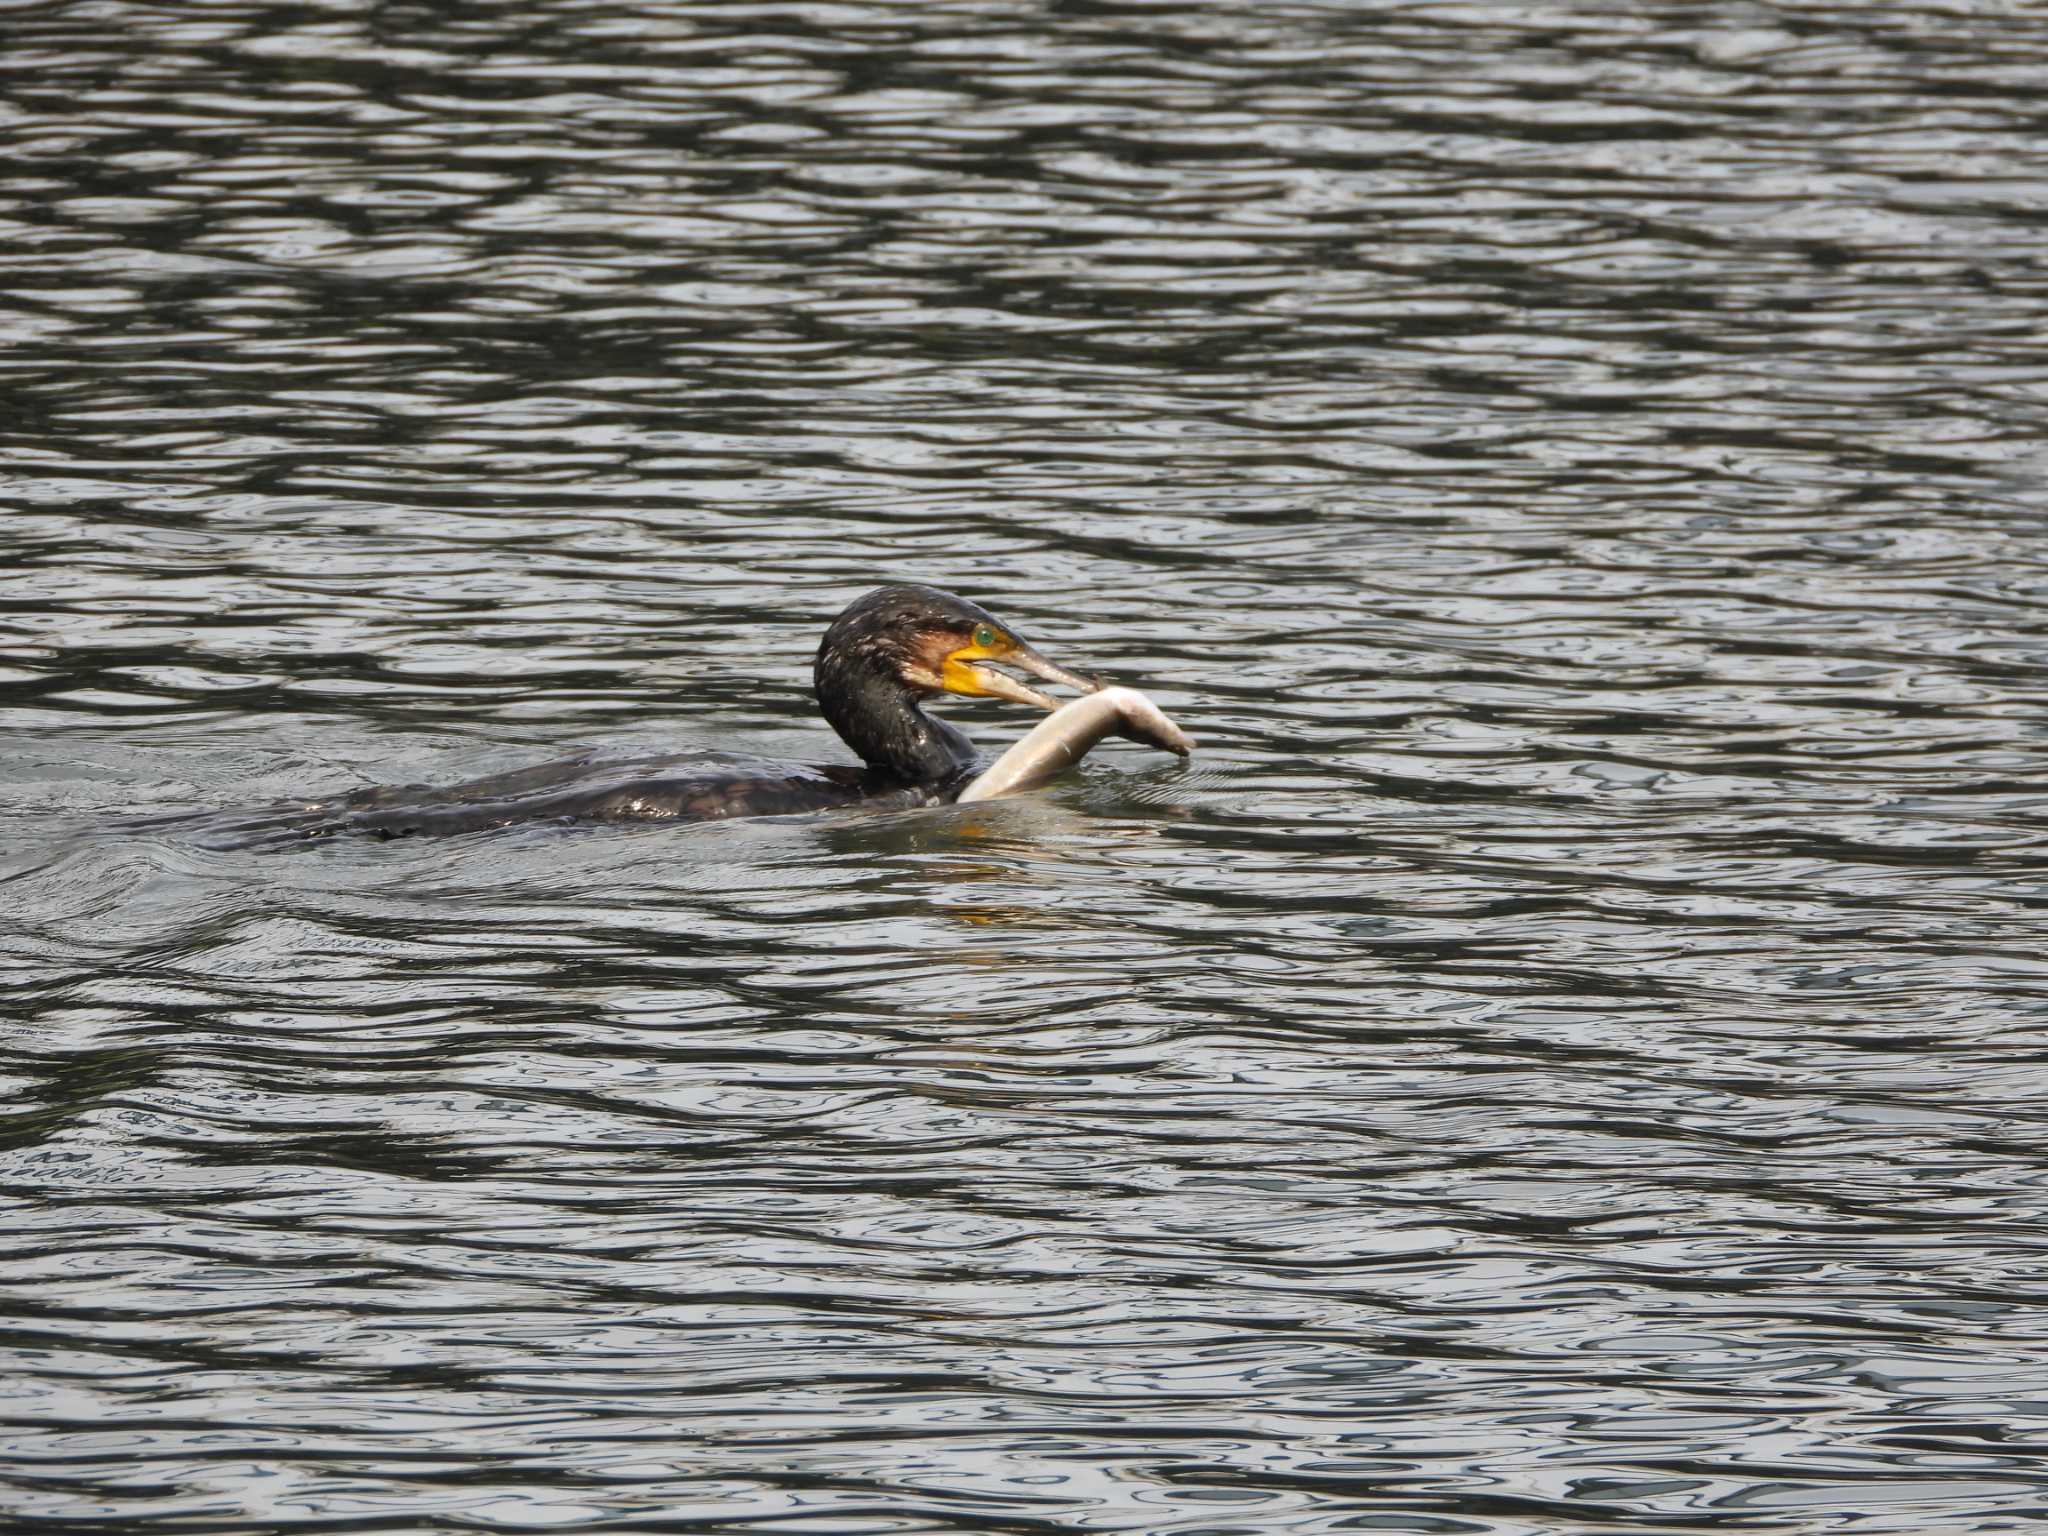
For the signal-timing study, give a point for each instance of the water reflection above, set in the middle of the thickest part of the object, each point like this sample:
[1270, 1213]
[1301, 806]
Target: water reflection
[1565, 1055]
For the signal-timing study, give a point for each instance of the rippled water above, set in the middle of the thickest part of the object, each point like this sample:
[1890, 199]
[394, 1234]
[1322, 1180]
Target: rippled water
[1567, 1055]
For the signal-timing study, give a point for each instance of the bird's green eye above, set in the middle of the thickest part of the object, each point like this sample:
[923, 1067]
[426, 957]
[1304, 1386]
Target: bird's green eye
[985, 637]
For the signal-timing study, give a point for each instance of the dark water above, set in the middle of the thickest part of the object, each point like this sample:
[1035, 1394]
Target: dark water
[1569, 1053]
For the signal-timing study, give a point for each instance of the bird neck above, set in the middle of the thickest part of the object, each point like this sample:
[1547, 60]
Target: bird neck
[883, 724]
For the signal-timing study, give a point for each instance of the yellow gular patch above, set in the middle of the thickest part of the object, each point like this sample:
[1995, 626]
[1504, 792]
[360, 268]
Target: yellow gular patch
[985, 642]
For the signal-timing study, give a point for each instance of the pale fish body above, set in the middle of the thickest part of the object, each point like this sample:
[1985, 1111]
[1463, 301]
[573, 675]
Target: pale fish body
[1068, 734]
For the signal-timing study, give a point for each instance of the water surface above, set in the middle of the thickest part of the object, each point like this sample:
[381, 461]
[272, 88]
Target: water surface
[1567, 1054]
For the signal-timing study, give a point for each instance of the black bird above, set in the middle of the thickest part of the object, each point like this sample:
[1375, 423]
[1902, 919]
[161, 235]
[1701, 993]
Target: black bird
[881, 659]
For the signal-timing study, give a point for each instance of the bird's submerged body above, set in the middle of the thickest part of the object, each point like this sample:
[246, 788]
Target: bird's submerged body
[881, 658]
[590, 789]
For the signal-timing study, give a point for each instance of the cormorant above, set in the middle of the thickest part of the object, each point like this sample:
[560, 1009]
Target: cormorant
[882, 658]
